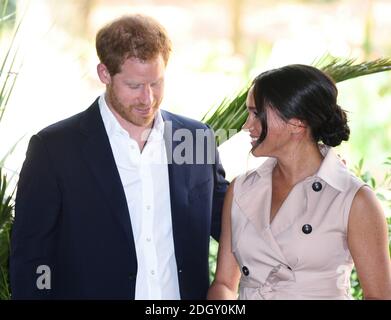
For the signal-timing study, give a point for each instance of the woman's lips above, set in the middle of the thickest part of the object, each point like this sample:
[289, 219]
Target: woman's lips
[254, 140]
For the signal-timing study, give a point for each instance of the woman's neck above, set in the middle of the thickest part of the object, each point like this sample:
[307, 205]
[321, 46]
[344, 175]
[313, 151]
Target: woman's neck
[298, 163]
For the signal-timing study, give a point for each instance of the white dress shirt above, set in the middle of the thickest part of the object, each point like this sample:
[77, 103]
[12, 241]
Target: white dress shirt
[144, 176]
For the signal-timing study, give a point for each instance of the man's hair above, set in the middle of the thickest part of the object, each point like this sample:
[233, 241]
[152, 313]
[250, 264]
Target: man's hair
[134, 36]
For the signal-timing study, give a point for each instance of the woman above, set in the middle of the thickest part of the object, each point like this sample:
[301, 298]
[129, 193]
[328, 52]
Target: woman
[293, 227]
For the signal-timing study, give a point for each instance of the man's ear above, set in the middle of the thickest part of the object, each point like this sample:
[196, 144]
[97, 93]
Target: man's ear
[103, 73]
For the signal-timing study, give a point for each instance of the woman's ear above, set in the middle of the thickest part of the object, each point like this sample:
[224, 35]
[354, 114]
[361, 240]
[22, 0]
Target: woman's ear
[297, 126]
[103, 73]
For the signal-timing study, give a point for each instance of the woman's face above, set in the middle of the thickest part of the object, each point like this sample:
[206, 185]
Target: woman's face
[278, 134]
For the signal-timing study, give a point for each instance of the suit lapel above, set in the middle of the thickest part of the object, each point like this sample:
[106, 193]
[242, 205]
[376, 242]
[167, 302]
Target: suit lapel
[98, 154]
[178, 175]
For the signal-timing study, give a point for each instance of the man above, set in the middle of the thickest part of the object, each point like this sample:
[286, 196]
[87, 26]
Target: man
[107, 208]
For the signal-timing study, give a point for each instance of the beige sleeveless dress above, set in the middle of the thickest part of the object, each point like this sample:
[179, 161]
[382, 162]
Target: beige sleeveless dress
[303, 253]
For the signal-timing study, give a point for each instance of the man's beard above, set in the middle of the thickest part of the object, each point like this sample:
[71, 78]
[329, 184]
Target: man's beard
[126, 111]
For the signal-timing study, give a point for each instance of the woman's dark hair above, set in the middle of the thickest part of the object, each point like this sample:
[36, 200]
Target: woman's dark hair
[302, 92]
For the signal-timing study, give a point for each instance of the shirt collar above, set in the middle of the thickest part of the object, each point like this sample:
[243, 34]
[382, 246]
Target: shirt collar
[113, 127]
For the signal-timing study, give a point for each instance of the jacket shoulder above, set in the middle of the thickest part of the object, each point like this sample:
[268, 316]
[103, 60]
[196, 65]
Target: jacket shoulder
[61, 126]
[61, 138]
[183, 121]
[69, 125]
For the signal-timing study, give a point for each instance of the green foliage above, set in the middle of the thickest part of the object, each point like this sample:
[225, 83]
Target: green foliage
[7, 73]
[7, 13]
[7, 81]
[231, 113]
[228, 115]
[213, 248]
[6, 219]
[345, 69]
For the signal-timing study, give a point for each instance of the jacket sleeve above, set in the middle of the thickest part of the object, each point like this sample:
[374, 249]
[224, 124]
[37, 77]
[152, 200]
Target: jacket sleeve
[37, 210]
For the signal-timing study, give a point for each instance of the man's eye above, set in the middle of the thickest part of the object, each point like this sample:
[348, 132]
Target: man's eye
[157, 83]
[134, 86]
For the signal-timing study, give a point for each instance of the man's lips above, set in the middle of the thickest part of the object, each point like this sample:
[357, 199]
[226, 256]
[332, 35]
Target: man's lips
[143, 111]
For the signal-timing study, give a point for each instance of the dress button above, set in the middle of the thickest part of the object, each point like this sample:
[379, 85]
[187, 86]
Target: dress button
[316, 186]
[307, 228]
[245, 271]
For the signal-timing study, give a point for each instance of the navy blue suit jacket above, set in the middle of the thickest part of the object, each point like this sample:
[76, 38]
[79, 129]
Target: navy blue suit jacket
[71, 214]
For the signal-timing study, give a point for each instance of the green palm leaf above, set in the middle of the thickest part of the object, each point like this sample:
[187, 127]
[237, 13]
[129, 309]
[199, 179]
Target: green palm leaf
[6, 219]
[8, 77]
[7, 73]
[231, 113]
[344, 69]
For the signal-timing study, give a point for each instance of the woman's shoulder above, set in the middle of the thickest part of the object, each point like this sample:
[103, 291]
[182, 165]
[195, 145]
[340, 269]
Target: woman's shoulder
[251, 176]
[366, 202]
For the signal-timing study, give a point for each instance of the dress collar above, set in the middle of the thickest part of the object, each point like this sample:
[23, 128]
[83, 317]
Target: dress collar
[332, 170]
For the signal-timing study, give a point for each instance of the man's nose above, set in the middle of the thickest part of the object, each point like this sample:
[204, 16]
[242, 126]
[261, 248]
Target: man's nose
[146, 95]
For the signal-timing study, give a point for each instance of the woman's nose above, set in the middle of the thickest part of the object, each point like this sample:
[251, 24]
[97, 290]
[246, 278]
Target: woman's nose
[247, 125]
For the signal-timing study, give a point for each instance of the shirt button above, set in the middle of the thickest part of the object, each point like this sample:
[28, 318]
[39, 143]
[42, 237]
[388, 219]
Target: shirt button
[148, 207]
[149, 239]
[316, 186]
[153, 272]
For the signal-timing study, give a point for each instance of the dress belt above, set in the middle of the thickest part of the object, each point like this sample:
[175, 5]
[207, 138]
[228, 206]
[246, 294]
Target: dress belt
[281, 281]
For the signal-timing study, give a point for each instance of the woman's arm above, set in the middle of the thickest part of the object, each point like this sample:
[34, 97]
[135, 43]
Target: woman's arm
[368, 244]
[225, 284]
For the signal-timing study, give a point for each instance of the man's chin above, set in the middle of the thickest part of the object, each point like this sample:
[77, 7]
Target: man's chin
[141, 121]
